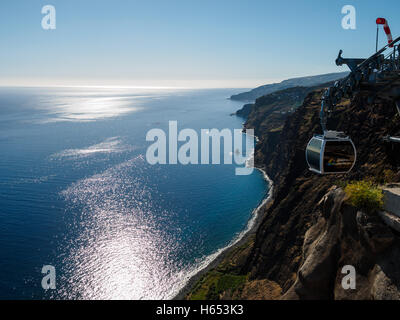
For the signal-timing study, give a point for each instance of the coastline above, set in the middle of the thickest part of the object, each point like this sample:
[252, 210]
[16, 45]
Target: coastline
[216, 258]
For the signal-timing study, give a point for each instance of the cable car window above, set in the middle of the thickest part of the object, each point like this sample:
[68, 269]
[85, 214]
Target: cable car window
[313, 153]
[339, 156]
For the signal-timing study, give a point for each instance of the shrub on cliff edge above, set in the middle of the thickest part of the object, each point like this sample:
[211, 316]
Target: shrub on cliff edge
[364, 195]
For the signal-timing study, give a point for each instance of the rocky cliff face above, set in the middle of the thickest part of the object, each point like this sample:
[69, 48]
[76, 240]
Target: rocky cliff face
[309, 232]
[298, 244]
[344, 236]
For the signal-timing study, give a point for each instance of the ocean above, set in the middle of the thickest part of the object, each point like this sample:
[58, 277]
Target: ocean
[77, 193]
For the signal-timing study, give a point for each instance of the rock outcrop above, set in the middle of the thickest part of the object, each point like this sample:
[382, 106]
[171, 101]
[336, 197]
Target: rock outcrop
[244, 111]
[343, 236]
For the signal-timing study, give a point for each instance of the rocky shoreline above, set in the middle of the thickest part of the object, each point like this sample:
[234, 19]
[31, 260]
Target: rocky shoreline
[243, 238]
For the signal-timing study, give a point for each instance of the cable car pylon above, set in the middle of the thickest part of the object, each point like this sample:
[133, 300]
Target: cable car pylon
[334, 152]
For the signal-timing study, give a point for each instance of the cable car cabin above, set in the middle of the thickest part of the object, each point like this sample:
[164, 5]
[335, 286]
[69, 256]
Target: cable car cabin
[332, 153]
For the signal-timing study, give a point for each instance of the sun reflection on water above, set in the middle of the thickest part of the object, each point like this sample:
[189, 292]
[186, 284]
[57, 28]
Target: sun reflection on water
[121, 249]
[87, 109]
[80, 105]
[109, 145]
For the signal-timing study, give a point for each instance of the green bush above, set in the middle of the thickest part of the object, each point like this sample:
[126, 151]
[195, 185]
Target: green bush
[364, 195]
[215, 283]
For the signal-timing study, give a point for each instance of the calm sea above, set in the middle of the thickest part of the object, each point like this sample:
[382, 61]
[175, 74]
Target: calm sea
[77, 193]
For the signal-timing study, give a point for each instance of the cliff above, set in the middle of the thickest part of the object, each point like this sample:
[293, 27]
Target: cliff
[309, 231]
[340, 236]
[268, 113]
[289, 83]
[278, 247]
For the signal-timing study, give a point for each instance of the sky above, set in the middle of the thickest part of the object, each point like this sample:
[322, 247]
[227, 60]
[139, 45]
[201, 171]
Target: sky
[184, 43]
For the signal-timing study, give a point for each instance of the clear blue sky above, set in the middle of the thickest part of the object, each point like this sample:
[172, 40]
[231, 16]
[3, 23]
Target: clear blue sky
[183, 42]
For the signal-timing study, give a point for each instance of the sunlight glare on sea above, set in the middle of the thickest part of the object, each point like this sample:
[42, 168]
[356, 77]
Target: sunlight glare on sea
[77, 193]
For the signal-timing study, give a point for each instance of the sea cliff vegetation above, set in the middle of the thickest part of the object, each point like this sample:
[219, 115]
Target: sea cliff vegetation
[364, 195]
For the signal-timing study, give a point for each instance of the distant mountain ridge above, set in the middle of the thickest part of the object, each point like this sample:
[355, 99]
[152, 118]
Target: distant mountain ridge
[289, 83]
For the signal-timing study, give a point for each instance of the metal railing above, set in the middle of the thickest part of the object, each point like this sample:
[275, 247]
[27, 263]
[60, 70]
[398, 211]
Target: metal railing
[376, 69]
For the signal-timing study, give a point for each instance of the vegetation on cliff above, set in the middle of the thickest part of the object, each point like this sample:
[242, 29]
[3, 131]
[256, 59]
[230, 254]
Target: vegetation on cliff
[364, 195]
